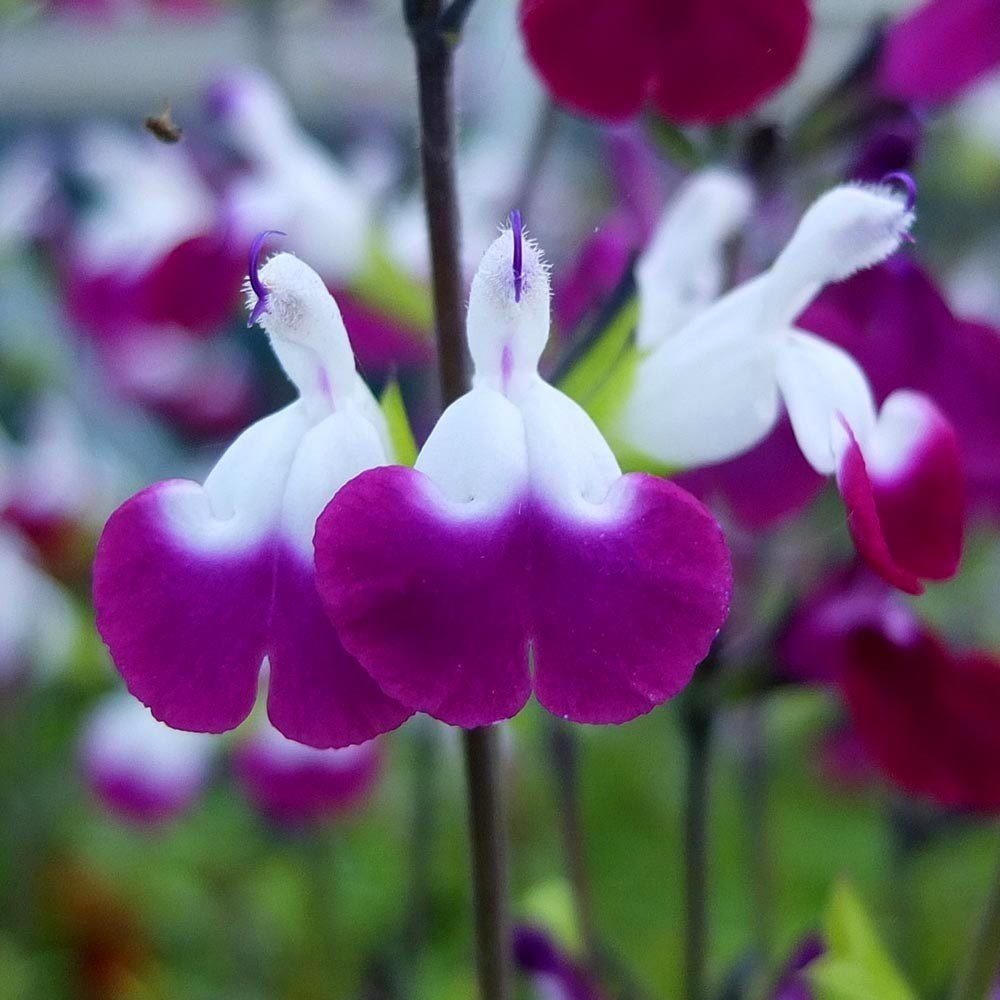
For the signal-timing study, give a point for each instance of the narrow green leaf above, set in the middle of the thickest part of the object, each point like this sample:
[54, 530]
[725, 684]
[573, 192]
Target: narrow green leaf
[404, 445]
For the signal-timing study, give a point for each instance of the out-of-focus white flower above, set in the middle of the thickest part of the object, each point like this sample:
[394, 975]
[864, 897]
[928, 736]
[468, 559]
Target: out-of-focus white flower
[293, 184]
[38, 625]
[149, 199]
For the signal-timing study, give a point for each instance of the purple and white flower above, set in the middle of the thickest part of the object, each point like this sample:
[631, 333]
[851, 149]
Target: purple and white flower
[718, 386]
[516, 557]
[195, 584]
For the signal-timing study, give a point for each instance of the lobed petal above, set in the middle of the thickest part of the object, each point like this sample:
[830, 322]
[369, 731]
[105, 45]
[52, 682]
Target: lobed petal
[905, 494]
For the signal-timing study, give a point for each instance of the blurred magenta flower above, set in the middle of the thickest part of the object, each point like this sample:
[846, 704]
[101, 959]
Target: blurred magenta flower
[138, 768]
[292, 784]
[716, 387]
[695, 61]
[153, 248]
[897, 325]
[552, 973]
[517, 531]
[194, 585]
[934, 54]
[924, 711]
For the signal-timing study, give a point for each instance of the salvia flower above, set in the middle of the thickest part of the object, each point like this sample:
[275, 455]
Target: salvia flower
[195, 584]
[693, 60]
[516, 556]
[718, 386]
[292, 784]
[139, 769]
[895, 322]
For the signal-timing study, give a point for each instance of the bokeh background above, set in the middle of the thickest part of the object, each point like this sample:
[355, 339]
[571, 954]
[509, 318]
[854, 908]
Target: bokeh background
[133, 867]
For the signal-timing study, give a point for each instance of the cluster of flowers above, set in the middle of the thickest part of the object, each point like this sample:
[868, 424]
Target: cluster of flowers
[515, 557]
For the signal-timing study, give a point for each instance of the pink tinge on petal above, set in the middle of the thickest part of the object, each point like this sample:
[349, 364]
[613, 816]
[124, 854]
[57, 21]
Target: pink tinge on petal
[188, 630]
[446, 609]
[927, 716]
[318, 693]
[939, 50]
[297, 785]
[907, 520]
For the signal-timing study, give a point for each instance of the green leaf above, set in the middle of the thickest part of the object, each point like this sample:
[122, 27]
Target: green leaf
[857, 965]
[392, 291]
[404, 445]
[602, 379]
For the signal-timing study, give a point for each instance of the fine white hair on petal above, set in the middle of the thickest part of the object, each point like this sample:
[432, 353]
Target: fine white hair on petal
[507, 333]
[306, 329]
[847, 229]
[681, 272]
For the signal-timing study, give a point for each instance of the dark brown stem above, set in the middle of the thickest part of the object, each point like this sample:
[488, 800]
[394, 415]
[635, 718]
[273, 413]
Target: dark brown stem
[566, 764]
[489, 862]
[435, 51]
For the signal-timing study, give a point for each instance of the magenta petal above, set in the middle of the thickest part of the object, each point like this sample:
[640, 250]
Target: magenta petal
[944, 46]
[187, 629]
[431, 606]
[441, 607]
[907, 524]
[318, 693]
[622, 612]
[928, 716]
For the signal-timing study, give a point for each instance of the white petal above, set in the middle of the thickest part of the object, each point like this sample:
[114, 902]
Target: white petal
[307, 332]
[681, 272]
[849, 228]
[330, 454]
[570, 464]
[708, 393]
[508, 323]
[821, 384]
[476, 453]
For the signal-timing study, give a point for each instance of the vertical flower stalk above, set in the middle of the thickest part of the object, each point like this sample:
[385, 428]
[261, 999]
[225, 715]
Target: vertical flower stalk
[434, 32]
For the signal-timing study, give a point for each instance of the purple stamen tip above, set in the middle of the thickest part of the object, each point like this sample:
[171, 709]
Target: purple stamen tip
[905, 180]
[515, 227]
[253, 271]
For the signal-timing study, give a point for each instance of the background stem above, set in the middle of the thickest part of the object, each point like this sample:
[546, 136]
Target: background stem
[698, 733]
[434, 41]
[489, 867]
